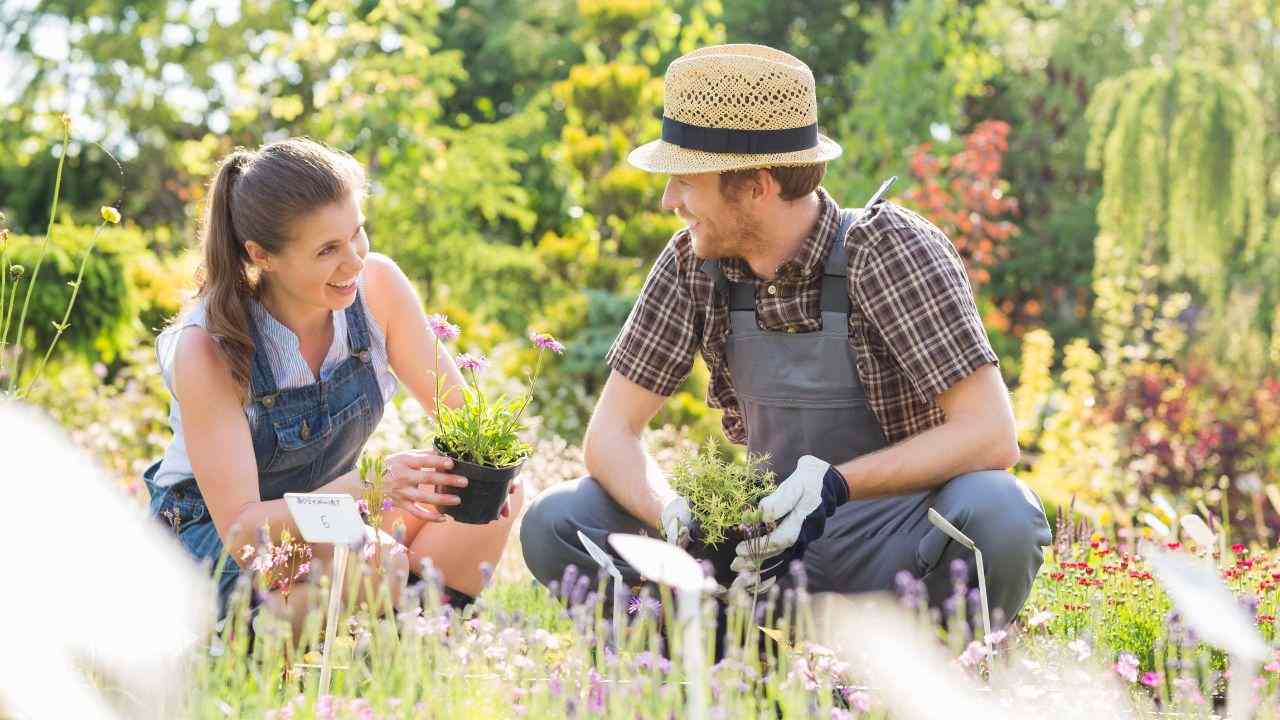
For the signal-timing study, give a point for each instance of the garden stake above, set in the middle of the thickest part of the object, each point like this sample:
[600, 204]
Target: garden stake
[954, 533]
[607, 564]
[331, 519]
[668, 564]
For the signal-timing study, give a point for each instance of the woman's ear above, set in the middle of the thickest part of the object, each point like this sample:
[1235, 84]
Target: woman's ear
[258, 255]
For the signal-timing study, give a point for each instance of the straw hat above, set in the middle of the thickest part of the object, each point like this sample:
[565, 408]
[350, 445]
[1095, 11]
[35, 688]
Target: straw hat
[733, 107]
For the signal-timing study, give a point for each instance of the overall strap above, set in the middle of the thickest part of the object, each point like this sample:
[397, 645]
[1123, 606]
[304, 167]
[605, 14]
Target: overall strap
[262, 381]
[357, 328]
[835, 290]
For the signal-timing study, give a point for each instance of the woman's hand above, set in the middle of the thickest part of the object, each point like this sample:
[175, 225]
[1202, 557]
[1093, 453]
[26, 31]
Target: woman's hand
[511, 490]
[413, 479]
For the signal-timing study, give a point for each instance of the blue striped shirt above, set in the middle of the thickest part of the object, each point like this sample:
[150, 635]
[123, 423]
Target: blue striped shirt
[287, 364]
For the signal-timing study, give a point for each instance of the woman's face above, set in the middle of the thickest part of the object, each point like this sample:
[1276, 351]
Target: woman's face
[323, 258]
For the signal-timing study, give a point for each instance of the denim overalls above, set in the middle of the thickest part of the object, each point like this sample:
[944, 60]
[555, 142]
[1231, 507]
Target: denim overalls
[302, 438]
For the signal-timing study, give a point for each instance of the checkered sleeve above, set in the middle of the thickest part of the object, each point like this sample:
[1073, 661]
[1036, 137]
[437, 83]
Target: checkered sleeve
[912, 285]
[656, 346]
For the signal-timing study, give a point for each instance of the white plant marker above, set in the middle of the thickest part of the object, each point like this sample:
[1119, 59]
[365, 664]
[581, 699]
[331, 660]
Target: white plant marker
[954, 533]
[49, 639]
[1210, 608]
[333, 519]
[1199, 532]
[606, 563]
[670, 565]
[1156, 524]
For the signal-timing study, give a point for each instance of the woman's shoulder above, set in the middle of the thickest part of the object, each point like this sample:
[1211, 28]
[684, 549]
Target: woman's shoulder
[383, 284]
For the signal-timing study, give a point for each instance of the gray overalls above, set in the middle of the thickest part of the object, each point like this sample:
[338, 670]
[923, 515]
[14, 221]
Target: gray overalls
[800, 395]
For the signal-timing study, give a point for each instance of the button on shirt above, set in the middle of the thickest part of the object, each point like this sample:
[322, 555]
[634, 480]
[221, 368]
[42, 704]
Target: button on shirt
[913, 324]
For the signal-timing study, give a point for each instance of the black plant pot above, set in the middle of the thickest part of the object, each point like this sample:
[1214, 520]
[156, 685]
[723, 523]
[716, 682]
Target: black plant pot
[486, 490]
[721, 554]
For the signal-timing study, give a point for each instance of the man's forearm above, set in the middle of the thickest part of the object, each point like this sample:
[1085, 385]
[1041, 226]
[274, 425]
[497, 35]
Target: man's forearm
[924, 461]
[618, 461]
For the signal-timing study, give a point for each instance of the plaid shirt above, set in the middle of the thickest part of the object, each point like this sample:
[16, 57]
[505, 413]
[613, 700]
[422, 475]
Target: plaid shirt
[913, 327]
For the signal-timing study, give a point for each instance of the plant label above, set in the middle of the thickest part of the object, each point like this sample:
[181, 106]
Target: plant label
[326, 518]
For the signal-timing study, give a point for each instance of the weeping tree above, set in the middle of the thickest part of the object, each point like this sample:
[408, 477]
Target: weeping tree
[1181, 154]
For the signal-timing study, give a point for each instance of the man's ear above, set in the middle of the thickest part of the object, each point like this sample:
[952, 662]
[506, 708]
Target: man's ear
[764, 185]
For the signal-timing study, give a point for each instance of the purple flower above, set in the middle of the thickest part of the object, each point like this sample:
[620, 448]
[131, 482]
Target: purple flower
[443, 329]
[546, 342]
[595, 696]
[1152, 679]
[474, 363]
[386, 504]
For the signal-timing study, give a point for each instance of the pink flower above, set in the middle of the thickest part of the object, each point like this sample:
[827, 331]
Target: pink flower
[858, 700]
[1127, 667]
[363, 506]
[474, 363]
[973, 654]
[445, 331]
[546, 342]
[1152, 679]
[303, 569]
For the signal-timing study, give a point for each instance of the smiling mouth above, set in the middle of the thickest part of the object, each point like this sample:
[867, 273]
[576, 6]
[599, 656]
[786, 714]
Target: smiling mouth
[343, 286]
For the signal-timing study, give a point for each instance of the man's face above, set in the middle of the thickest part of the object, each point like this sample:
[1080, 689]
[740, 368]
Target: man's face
[720, 227]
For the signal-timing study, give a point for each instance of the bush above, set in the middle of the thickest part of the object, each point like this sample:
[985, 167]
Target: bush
[103, 324]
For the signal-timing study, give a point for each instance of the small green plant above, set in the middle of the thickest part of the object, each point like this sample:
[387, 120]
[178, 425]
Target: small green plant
[722, 494]
[374, 500]
[480, 430]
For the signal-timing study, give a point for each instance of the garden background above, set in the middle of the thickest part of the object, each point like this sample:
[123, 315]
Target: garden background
[1109, 171]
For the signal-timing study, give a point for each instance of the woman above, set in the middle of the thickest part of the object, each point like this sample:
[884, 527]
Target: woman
[279, 372]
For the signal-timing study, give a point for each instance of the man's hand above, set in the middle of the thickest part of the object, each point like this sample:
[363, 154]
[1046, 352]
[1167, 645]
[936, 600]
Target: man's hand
[677, 521]
[800, 506]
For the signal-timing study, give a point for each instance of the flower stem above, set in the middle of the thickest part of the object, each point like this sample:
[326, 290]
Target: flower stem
[66, 316]
[44, 249]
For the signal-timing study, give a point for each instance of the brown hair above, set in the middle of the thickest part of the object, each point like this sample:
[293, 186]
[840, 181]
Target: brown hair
[796, 181]
[257, 195]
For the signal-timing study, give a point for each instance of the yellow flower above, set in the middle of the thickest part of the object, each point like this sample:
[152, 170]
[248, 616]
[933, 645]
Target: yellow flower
[110, 214]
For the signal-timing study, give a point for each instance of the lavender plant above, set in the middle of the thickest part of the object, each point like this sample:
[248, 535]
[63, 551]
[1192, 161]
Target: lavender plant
[480, 429]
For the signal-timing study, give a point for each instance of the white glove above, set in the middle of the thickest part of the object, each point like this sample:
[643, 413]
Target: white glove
[794, 500]
[676, 519]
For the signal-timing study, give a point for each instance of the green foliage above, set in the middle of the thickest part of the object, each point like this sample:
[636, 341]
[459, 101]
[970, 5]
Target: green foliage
[103, 323]
[722, 493]
[934, 48]
[1181, 153]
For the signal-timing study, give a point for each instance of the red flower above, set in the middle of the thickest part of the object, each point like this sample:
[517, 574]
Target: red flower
[1239, 549]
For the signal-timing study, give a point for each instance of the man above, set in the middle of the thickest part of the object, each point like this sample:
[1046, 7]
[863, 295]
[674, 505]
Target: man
[846, 344]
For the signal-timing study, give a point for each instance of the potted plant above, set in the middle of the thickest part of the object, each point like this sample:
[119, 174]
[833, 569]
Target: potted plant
[482, 434]
[724, 498]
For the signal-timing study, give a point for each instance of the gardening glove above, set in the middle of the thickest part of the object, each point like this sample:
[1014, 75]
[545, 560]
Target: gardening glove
[801, 505]
[677, 521]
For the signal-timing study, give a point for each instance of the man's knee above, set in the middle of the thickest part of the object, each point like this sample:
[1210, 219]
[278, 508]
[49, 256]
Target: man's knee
[1005, 520]
[540, 534]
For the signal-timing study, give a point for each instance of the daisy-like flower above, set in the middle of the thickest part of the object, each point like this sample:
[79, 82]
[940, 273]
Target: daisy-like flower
[1127, 667]
[444, 330]
[110, 214]
[1040, 618]
[546, 342]
[474, 363]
